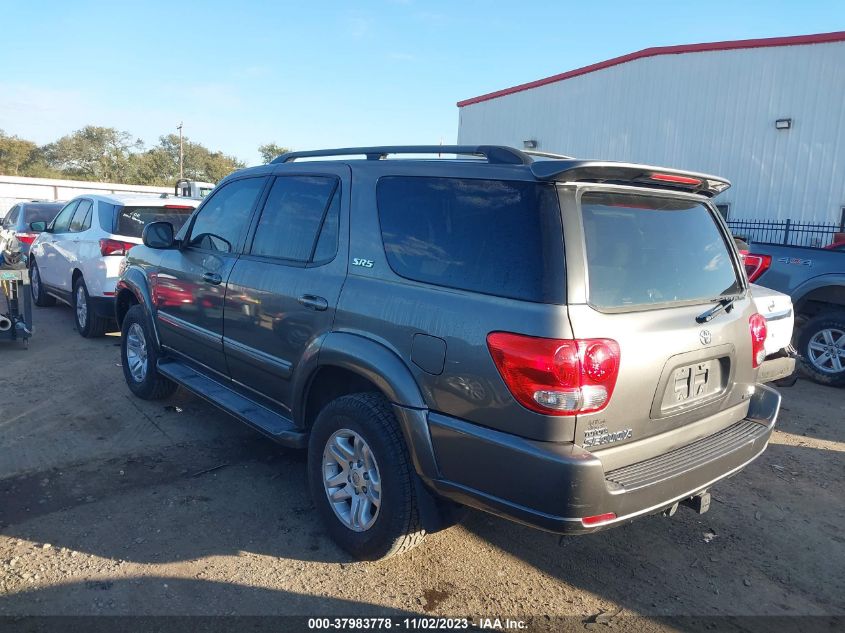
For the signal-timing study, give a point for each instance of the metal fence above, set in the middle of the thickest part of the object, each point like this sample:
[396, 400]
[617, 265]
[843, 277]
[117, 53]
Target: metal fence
[785, 232]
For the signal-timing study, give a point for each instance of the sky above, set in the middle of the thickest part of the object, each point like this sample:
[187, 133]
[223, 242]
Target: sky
[318, 74]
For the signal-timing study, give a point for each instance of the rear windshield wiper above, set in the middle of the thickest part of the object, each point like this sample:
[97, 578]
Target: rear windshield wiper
[723, 303]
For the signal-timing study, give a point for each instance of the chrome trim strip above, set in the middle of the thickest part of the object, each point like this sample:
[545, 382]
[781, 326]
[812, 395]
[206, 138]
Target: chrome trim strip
[277, 365]
[775, 316]
[189, 328]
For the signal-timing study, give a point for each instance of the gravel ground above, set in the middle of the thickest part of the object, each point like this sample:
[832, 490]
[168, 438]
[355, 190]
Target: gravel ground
[114, 506]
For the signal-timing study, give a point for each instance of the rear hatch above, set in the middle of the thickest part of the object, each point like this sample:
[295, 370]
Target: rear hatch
[654, 262]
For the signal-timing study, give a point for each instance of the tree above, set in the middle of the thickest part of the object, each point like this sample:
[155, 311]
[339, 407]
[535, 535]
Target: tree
[94, 153]
[109, 155]
[269, 151]
[160, 165]
[16, 154]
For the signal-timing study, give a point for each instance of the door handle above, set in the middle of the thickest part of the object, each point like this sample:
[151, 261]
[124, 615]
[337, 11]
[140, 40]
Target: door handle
[212, 278]
[314, 302]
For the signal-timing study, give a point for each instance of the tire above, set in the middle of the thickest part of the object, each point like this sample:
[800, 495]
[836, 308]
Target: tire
[149, 384]
[821, 345]
[395, 527]
[88, 324]
[36, 289]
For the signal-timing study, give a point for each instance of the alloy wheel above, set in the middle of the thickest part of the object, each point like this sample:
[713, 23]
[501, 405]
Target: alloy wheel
[826, 350]
[35, 280]
[81, 306]
[136, 352]
[351, 480]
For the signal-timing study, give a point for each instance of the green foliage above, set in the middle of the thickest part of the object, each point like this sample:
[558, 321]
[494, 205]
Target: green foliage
[269, 151]
[108, 155]
[94, 153]
[17, 155]
[160, 165]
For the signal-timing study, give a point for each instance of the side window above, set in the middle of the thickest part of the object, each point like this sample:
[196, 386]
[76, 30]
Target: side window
[62, 221]
[11, 217]
[295, 211]
[327, 244]
[496, 237]
[105, 215]
[224, 216]
[81, 220]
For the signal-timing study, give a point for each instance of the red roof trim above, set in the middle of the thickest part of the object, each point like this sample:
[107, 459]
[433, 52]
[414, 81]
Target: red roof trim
[794, 40]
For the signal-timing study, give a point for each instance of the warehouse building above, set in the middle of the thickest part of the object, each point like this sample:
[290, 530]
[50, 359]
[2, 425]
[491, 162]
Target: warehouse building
[768, 114]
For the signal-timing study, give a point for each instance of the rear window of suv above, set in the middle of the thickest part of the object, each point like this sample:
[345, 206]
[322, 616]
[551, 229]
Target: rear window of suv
[495, 237]
[649, 250]
[131, 221]
[41, 212]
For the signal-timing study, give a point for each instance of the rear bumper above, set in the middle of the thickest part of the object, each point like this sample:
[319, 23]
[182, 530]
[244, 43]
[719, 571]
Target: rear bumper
[777, 366]
[103, 306]
[553, 486]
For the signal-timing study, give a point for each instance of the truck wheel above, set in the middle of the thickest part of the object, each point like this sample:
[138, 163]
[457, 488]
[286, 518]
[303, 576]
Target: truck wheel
[36, 288]
[822, 346]
[138, 357]
[361, 478]
[88, 323]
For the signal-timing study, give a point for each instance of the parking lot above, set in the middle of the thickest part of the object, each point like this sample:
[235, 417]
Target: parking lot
[113, 505]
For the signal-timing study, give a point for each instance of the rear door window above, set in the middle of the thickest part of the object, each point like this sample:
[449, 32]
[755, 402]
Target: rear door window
[131, 220]
[62, 221]
[648, 250]
[11, 218]
[299, 220]
[82, 217]
[490, 236]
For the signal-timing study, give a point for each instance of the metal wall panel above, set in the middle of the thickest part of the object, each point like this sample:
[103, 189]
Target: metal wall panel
[711, 111]
[14, 189]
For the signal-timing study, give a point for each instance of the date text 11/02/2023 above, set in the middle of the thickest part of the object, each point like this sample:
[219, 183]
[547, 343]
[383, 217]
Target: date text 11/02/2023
[416, 623]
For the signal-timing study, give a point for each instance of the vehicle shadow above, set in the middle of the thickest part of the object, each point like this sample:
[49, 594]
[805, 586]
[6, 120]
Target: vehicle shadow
[165, 596]
[765, 547]
[183, 502]
[752, 554]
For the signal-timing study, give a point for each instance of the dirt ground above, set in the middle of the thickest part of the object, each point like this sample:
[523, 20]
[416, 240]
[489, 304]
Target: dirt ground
[111, 505]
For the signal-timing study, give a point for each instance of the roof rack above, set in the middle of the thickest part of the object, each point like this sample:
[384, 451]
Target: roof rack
[534, 152]
[563, 168]
[498, 154]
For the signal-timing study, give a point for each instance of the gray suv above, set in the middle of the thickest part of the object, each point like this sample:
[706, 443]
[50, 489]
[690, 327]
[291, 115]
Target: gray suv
[564, 343]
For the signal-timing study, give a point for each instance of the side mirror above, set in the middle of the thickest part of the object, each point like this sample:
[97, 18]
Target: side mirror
[38, 227]
[158, 235]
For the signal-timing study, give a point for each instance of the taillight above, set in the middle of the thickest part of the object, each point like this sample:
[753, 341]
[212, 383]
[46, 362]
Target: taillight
[26, 238]
[674, 178]
[556, 376]
[115, 247]
[755, 265]
[598, 519]
[759, 329]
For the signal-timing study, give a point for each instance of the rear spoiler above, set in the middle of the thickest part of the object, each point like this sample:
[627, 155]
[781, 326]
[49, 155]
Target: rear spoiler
[628, 174]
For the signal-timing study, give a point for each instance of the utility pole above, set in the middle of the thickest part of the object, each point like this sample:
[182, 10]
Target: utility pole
[181, 153]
